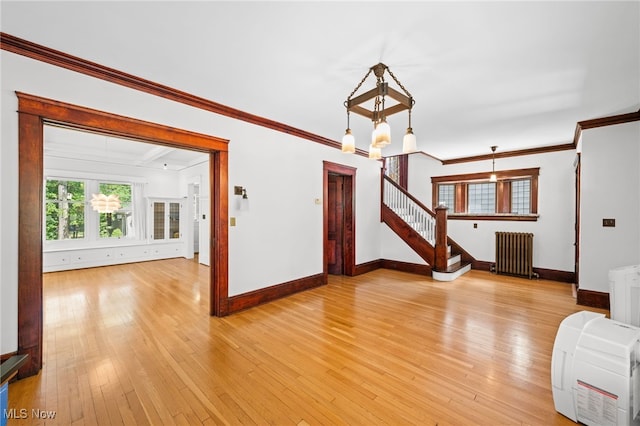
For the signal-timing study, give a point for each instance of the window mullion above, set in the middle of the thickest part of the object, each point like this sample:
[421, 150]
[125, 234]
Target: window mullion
[503, 197]
[91, 216]
[461, 197]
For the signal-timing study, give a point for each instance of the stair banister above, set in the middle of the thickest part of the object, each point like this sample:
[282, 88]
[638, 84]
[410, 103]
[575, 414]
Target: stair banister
[408, 195]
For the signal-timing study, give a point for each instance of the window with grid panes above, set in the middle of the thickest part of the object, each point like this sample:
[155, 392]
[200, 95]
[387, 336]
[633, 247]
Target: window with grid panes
[481, 198]
[446, 196]
[521, 196]
[472, 196]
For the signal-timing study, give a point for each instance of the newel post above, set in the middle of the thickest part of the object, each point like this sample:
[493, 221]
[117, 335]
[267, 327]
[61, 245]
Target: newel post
[441, 257]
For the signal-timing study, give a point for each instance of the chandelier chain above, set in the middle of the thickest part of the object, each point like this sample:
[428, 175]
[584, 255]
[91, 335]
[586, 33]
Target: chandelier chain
[398, 82]
[359, 84]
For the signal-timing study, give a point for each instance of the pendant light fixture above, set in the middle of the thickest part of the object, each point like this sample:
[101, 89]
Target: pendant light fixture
[348, 141]
[493, 177]
[381, 135]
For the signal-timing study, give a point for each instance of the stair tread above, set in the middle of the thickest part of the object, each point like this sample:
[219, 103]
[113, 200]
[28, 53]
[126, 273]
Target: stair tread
[456, 266]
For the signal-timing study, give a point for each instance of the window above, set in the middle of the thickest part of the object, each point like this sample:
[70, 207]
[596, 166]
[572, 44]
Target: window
[116, 224]
[397, 169]
[472, 196]
[521, 196]
[481, 198]
[446, 195]
[69, 216]
[64, 210]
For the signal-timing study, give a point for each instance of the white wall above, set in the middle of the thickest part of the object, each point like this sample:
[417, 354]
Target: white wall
[610, 188]
[553, 231]
[279, 240]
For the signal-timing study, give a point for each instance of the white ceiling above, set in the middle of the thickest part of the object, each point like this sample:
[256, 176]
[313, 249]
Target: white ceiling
[513, 74]
[78, 145]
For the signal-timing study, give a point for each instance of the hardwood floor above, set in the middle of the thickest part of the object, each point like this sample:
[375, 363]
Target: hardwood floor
[133, 344]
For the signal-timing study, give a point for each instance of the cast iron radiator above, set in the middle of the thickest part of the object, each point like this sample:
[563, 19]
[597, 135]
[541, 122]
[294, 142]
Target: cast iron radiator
[514, 253]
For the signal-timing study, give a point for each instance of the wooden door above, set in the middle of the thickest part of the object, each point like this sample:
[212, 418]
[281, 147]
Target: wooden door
[335, 246]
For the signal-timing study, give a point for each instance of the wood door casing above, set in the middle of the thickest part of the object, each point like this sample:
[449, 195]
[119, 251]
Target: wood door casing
[33, 113]
[348, 175]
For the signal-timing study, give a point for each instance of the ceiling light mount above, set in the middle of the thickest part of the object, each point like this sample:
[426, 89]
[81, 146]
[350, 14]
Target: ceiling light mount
[381, 136]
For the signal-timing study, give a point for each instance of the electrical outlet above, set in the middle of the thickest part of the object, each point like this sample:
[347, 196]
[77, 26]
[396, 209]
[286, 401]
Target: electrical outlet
[609, 223]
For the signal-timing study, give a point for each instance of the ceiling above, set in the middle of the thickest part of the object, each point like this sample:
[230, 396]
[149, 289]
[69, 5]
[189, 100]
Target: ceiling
[513, 74]
[72, 144]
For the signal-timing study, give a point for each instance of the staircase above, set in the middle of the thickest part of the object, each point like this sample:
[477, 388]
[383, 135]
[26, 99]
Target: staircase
[424, 231]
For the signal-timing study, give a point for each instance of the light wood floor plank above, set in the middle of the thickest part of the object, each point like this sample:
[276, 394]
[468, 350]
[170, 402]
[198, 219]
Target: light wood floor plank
[134, 345]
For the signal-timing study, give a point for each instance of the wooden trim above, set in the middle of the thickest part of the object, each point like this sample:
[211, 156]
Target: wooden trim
[555, 275]
[268, 294]
[503, 197]
[30, 182]
[82, 118]
[413, 268]
[218, 243]
[409, 235]
[460, 196]
[33, 113]
[503, 217]
[542, 273]
[364, 268]
[481, 265]
[349, 257]
[501, 174]
[456, 248]
[54, 57]
[515, 153]
[503, 193]
[396, 265]
[581, 125]
[594, 299]
[603, 121]
[578, 186]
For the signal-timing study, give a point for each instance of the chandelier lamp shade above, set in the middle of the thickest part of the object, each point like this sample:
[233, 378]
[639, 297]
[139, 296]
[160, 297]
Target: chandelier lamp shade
[105, 203]
[381, 135]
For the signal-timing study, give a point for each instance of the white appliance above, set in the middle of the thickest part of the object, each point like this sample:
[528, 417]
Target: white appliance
[624, 294]
[595, 370]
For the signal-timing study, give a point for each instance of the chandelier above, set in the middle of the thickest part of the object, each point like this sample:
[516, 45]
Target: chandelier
[381, 135]
[105, 203]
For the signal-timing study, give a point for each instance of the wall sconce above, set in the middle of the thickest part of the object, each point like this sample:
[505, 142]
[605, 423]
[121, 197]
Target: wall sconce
[242, 202]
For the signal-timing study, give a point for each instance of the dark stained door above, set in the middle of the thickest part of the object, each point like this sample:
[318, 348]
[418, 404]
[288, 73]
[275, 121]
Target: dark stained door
[335, 246]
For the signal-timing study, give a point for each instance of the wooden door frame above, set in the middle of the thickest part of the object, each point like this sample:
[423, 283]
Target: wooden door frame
[33, 113]
[349, 246]
[578, 171]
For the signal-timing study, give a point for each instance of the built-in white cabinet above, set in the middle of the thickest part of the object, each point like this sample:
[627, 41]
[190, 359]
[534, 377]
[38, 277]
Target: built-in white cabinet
[165, 219]
[60, 260]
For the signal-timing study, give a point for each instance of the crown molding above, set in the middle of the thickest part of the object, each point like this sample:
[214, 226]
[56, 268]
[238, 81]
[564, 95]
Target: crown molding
[47, 55]
[603, 121]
